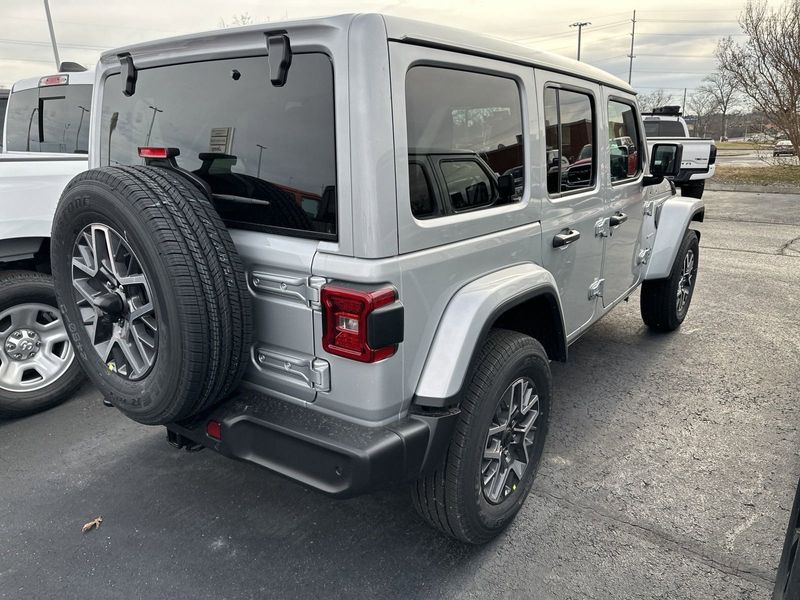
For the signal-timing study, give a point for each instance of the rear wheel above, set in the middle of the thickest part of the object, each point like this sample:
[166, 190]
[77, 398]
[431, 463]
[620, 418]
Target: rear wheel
[37, 364]
[497, 445]
[152, 290]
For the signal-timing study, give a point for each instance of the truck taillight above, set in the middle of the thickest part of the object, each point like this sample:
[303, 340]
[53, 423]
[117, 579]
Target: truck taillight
[349, 314]
[54, 80]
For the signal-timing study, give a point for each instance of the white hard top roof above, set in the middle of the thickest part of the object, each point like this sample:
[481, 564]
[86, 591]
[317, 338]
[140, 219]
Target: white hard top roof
[399, 29]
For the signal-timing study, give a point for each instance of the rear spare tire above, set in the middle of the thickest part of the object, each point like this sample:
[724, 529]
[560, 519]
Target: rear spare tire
[152, 291]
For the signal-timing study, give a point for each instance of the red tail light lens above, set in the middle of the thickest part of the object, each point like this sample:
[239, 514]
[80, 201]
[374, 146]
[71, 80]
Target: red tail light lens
[345, 315]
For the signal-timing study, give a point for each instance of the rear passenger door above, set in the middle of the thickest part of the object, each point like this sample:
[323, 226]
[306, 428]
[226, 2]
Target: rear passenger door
[624, 198]
[573, 203]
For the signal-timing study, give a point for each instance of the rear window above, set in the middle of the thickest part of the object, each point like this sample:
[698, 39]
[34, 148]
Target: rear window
[50, 119]
[268, 153]
[664, 129]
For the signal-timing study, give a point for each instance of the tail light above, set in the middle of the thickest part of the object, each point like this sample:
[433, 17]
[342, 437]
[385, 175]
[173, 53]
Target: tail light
[713, 157]
[361, 325]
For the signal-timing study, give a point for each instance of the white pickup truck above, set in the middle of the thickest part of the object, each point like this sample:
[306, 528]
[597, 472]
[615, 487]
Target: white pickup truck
[665, 125]
[45, 144]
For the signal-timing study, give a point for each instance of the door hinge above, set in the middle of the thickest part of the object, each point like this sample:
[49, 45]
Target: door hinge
[648, 207]
[644, 256]
[314, 372]
[602, 228]
[304, 289]
[596, 289]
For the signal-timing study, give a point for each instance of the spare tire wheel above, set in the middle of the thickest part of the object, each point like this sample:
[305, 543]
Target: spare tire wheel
[152, 291]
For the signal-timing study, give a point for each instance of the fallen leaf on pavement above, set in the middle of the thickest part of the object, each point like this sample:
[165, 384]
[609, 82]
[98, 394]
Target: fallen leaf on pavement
[93, 524]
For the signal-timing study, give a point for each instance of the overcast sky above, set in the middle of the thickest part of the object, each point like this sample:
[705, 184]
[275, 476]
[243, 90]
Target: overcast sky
[674, 47]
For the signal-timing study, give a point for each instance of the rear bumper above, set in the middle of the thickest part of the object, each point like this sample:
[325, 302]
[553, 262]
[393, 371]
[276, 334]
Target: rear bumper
[331, 455]
[687, 175]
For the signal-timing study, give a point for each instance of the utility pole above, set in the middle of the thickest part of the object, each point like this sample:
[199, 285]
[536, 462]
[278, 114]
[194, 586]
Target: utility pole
[52, 34]
[580, 25]
[156, 110]
[683, 106]
[631, 56]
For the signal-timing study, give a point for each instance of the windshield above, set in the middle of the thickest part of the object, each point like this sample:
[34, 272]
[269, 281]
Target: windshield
[664, 129]
[268, 153]
[50, 119]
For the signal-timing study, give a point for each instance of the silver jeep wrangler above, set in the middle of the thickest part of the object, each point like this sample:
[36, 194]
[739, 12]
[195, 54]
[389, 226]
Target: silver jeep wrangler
[347, 249]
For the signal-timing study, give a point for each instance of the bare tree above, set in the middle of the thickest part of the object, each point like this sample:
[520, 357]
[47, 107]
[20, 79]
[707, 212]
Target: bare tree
[723, 88]
[702, 104]
[766, 67]
[654, 99]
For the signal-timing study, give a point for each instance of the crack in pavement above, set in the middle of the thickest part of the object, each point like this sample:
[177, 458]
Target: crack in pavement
[777, 253]
[689, 549]
[787, 247]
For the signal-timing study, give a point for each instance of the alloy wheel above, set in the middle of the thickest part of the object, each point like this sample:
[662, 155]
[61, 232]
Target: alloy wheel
[686, 281]
[114, 297]
[509, 441]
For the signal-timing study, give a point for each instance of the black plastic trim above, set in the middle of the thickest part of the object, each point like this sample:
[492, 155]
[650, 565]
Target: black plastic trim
[329, 454]
[129, 74]
[385, 325]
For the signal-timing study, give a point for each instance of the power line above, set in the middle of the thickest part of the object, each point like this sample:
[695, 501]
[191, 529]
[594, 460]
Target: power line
[35, 43]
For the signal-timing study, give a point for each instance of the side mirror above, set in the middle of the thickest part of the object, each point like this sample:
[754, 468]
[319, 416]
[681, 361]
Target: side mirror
[505, 186]
[665, 161]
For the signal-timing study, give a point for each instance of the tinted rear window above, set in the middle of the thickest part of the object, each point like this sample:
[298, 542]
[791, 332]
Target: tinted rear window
[268, 153]
[664, 129]
[50, 119]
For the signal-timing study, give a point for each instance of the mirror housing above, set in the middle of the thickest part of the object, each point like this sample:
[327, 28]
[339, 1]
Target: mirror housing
[665, 161]
[505, 186]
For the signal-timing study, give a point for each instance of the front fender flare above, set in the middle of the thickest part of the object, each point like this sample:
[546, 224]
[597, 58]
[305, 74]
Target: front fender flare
[466, 322]
[673, 219]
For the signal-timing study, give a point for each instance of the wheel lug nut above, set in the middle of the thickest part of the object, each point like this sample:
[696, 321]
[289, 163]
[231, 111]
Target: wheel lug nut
[17, 334]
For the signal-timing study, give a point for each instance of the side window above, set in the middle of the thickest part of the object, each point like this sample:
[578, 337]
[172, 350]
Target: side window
[624, 142]
[469, 126]
[3, 104]
[569, 140]
[468, 185]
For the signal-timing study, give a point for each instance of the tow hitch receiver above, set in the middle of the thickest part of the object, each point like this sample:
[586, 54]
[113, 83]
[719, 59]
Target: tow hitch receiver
[179, 441]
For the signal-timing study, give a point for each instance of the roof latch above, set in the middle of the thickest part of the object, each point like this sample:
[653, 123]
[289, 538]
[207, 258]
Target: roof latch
[279, 55]
[129, 74]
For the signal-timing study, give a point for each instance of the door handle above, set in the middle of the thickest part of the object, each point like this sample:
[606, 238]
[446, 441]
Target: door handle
[617, 219]
[566, 237]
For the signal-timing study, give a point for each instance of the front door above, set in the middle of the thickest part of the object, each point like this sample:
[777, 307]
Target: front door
[571, 250]
[624, 199]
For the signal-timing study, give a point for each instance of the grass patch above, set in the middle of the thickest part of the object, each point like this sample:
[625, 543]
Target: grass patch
[740, 146]
[781, 175]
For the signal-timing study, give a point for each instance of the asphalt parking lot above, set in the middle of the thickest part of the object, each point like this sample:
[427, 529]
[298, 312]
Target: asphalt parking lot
[669, 473]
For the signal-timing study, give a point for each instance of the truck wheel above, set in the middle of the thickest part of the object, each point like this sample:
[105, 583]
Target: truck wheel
[497, 444]
[693, 190]
[152, 291]
[665, 302]
[37, 365]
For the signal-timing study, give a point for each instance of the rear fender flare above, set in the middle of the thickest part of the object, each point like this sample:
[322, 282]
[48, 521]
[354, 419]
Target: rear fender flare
[466, 322]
